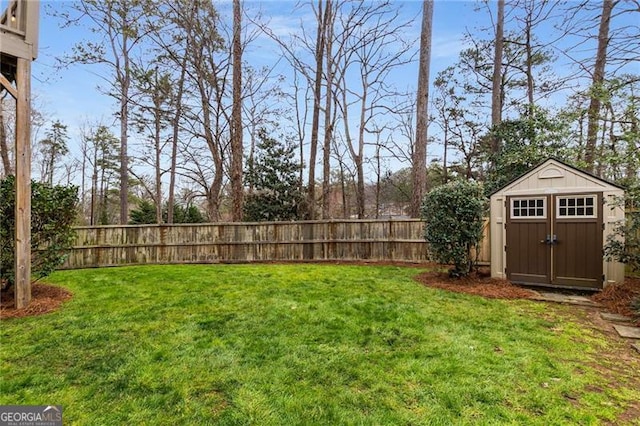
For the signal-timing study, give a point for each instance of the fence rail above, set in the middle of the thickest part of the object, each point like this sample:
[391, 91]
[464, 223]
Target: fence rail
[375, 240]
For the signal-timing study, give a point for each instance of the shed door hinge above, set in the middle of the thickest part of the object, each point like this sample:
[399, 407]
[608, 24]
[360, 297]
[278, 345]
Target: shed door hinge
[603, 226]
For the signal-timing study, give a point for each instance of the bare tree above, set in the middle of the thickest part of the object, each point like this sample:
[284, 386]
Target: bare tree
[370, 42]
[330, 116]
[496, 90]
[597, 82]
[419, 161]
[174, 40]
[4, 144]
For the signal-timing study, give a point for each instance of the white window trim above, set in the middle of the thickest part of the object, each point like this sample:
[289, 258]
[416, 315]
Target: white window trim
[566, 197]
[544, 208]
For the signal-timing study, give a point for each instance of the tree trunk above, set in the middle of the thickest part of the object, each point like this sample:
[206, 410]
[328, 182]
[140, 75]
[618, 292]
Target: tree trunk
[359, 157]
[445, 177]
[496, 92]
[174, 140]
[632, 158]
[4, 146]
[378, 178]
[237, 193]
[83, 189]
[157, 147]
[315, 121]
[124, 129]
[596, 84]
[328, 119]
[419, 160]
[529, 61]
[94, 191]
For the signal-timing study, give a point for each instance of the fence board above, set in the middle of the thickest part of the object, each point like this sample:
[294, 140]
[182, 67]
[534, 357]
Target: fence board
[375, 240]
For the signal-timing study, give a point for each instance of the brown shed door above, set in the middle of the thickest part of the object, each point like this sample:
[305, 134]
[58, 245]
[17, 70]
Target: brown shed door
[527, 228]
[555, 239]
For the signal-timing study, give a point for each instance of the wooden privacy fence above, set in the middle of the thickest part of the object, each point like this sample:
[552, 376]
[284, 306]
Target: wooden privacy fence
[375, 240]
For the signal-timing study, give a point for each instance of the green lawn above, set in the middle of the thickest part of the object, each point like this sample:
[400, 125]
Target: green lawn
[304, 344]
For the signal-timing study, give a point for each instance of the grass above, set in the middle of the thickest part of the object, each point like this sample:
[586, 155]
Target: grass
[302, 344]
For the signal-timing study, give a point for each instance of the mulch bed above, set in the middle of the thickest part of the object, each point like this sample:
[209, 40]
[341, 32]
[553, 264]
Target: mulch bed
[479, 283]
[617, 298]
[44, 299]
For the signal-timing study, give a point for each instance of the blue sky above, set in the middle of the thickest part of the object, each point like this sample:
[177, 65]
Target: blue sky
[71, 94]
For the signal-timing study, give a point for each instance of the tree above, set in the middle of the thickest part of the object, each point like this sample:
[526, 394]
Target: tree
[369, 42]
[319, 53]
[206, 116]
[53, 148]
[121, 25]
[4, 145]
[173, 42]
[188, 214]
[604, 48]
[237, 190]
[454, 217]
[525, 143]
[274, 177]
[145, 213]
[496, 89]
[419, 162]
[461, 125]
[53, 213]
[151, 115]
[329, 112]
[597, 83]
[101, 153]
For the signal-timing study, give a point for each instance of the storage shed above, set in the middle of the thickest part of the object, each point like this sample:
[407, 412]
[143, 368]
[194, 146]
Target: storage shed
[549, 226]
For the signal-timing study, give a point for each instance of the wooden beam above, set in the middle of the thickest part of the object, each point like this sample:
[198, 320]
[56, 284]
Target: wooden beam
[8, 86]
[32, 22]
[23, 185]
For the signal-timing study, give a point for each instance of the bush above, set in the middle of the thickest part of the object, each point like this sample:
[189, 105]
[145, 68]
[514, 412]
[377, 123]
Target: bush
[624, 244]
[146, 214]
[454, 215]
[53, 212]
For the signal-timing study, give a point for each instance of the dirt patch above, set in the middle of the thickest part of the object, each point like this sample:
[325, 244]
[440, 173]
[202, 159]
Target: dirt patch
[44, 299]
[617, 298]
[479, 283]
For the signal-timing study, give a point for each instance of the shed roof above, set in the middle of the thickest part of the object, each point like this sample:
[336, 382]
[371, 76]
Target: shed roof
[554, 168]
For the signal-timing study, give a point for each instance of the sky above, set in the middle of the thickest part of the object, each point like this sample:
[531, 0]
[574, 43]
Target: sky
[71, 94]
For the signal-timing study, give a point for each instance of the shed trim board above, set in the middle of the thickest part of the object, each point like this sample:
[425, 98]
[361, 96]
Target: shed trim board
[549, 226]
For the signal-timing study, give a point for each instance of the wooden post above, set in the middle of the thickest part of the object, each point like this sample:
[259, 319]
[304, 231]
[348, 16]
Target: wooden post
[23, 185]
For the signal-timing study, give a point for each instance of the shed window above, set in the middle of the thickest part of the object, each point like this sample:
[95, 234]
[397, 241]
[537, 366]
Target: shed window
[576, 206]
[522, 208]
